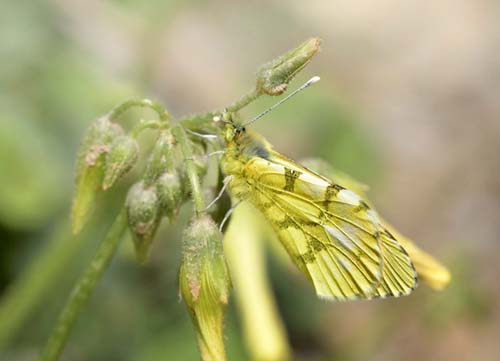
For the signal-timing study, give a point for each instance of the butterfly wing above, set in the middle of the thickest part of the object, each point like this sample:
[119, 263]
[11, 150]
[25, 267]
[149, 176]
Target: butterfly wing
[333, 237]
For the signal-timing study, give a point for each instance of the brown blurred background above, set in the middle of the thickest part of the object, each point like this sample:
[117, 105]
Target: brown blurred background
[408, 103]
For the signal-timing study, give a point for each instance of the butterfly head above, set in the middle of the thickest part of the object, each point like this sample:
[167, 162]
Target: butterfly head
[232, 132]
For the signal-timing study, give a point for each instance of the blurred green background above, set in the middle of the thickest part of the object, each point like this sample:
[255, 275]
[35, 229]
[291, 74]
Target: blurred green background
[408, 103]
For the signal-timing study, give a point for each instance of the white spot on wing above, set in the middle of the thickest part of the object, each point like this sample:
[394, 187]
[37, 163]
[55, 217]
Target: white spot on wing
[276, 167]
[341, 237]
[372, 215]
[309, 178]
[345, 263]
[348, 197]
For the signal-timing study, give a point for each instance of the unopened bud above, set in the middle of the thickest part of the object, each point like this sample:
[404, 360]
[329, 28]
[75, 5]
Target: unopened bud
[122, 156]
[205, 284]
[273, 77]
[90, 168]
[163, 157]
[169, 190]
[144, 215]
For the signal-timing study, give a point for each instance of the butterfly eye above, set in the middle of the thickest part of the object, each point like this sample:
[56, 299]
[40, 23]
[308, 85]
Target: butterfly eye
[229, 134]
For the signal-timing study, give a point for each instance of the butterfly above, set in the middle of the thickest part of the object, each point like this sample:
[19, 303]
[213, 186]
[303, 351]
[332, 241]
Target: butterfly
[331, 234]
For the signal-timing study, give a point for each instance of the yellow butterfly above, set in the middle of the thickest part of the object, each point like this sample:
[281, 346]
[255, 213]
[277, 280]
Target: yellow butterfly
[333, 236]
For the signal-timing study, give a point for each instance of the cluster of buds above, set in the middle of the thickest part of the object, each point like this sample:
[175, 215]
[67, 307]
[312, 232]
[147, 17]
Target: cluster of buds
[158, 195]
[107, 154]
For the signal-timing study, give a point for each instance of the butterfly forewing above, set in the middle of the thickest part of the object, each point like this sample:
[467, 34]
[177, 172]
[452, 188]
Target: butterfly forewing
[339, 252]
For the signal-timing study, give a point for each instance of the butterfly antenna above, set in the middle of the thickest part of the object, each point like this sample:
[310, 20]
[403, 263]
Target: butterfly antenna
[308, 83]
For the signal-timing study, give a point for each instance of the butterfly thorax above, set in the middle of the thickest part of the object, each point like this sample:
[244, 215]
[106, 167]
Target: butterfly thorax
[241, 147]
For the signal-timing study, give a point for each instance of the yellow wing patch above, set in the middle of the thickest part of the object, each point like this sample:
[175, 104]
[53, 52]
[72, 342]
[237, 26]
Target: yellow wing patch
[331, 234]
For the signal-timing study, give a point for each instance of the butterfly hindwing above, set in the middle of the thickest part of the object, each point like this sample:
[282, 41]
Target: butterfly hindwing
[399, 274]
[332, 235]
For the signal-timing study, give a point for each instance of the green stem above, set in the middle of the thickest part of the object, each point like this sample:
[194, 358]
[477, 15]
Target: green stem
[163, 115]
[83, 288]
[202, 121]
[194, 181]
[145, 124]
[244, 101]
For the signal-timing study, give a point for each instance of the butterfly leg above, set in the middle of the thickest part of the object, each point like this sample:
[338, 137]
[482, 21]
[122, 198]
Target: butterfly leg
[227, 215]
[203, 136]
[225, 183]
[217, 152]
[208, 155]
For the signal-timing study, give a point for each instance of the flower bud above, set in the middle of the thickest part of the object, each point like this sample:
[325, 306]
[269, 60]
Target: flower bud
[200, 161]
[205, 284]
[90, 168]
[162, 158]
[170, 193]
[122, 156]
[144, 215]
[273, 77]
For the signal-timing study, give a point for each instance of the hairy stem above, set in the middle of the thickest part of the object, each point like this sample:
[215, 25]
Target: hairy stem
[201, 121]
[194, 181]
[163, 115]
[244, 101]
[146, 124]
[83, 288]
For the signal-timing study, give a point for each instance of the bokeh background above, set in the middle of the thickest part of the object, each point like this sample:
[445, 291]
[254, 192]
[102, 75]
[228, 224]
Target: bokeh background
[408, 103]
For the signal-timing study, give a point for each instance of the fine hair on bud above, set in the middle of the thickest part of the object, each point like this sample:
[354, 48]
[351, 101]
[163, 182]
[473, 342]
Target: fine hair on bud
[170, 192]
[144, 216]
[164, 157]
[122, 156]
[273, 77]
[90, 168]
[204, 284]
